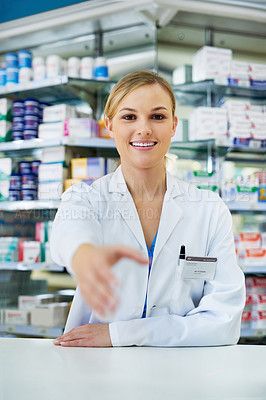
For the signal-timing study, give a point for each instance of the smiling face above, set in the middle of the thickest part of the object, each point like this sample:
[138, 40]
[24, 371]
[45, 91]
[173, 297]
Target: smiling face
[143, 126]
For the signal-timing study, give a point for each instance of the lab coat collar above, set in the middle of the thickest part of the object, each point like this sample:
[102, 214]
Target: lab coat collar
[117, 184]
[171, 211]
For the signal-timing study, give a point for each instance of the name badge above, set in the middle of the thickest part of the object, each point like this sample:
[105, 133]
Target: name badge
[199, 268]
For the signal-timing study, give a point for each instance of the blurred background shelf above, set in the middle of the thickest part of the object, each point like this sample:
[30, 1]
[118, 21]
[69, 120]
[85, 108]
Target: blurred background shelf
[30, 330]
[20, 266]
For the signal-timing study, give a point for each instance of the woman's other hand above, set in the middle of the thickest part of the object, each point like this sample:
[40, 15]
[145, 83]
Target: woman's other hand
[97, 283]
[90, 335]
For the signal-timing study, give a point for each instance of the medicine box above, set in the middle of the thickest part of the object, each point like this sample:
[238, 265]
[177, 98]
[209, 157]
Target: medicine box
[18, 317]
[5, 168]
[28, 302]
[258, 320]
[5, 131]
[54, 314]
[6, 110]
[211, 63]
[29, 252]
[182, 74]
[50, 190]
[88, 168]
[259, 302]
[55, 171]
[58, 112]
[256, 285]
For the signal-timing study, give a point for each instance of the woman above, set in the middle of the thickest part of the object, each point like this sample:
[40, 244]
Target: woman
[105, 233]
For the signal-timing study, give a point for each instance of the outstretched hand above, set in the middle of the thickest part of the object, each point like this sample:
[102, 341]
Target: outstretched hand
[97, 283]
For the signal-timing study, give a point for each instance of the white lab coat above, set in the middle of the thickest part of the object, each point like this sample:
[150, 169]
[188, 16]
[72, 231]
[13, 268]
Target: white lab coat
[179, 312]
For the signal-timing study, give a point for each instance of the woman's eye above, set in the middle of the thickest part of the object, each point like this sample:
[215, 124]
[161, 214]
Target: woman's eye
[129, 117]
[158, 116]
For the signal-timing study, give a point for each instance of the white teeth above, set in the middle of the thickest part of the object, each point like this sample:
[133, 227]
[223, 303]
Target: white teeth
[142, 144]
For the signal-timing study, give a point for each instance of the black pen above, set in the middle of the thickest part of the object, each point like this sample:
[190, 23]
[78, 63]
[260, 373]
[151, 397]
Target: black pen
[182, 255]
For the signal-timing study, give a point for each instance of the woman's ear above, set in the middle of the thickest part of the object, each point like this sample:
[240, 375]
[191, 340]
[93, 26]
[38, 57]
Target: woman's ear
[109, 126]
[175, 122]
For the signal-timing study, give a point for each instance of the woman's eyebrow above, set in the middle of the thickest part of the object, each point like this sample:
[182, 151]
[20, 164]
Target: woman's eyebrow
[133, 109]
[128, 109]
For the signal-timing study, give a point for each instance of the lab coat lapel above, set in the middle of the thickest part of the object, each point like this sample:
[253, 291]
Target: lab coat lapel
[126, 206]
[171, 213]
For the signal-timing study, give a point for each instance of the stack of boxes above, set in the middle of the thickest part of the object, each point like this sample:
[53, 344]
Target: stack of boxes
[251, 249]
[217, 64]
[38, 310]
[207, 123]
[254, 314]
[246, 123]
[62, 120]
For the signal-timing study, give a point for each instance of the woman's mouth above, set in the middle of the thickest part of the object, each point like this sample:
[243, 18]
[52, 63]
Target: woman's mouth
[143, 145]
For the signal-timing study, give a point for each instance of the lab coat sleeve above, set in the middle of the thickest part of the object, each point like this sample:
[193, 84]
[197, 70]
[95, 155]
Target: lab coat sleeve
[217, 318]
[76, 222]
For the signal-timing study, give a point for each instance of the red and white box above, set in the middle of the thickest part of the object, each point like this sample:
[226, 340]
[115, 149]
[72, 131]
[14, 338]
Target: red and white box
[17, 317]
[258, 320]
[256, 285]
[29, 252]
[259, 302]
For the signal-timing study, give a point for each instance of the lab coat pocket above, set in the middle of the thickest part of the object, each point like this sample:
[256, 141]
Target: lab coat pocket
[183, 293]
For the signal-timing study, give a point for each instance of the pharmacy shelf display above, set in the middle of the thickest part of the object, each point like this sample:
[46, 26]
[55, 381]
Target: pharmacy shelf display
[209, 93]
[59, 89]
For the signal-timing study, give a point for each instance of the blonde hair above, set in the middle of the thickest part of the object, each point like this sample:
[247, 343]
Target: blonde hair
[131, 82]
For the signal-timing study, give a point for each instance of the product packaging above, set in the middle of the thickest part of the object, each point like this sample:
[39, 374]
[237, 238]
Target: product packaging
[54, 314]
[54, 171]
[58, 113]
[50, 190]
[212, 63]
[28, 302]
[17, 317]
[88, 168]
[29, 252]
[182, 74]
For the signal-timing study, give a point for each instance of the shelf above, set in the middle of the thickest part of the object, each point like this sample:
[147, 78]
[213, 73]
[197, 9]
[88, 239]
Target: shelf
[28, 205]
[246, 206]
[252, 333]
[62, 141]
[58, 89]
[225, 145]
[30, 330]
[20, 266]
[197, 93]
[256, 269]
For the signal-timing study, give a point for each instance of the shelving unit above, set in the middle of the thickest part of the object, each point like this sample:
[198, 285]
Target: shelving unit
[30, 330]
[20, 266]
[59, 89]
[209, 93]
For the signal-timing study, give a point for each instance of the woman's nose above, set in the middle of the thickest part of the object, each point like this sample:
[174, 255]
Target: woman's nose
[144, 128]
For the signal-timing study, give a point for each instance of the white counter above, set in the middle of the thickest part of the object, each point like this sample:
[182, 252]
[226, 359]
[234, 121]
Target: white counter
[35, 369]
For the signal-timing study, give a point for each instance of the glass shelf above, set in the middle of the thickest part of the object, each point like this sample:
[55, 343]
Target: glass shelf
[62, 141]
[29, 205]
[252, 333]
[246, 206]
[199, 93]
[58, 89]
[20, 266]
